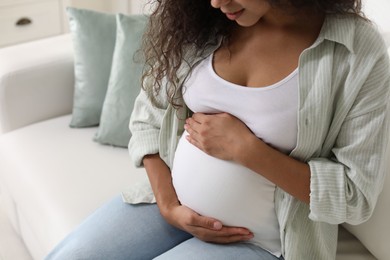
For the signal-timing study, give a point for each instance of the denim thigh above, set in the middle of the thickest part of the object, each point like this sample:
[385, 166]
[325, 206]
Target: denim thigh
[195, 249]
[120, 231]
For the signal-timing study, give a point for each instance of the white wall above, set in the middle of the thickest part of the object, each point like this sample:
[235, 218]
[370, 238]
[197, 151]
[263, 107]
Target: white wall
[98, 5]
[379, 12]
[109, 6]
[136, 6]
[114, 6]
[140, 7]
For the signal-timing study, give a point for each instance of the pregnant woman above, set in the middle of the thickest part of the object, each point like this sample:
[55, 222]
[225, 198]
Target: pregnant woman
[261, 124]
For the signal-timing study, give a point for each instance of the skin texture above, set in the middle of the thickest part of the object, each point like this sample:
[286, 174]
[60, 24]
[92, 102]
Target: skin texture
[176, 27]
[279, 37]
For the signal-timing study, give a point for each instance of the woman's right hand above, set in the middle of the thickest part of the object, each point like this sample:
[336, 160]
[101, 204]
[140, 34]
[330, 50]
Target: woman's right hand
[204, 228]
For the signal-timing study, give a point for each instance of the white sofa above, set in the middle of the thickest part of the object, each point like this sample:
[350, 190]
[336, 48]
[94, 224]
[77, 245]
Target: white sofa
[53, 176]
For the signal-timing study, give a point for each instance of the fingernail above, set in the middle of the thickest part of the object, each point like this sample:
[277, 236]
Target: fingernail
[245, 232]
[249, 236]
[217, 225]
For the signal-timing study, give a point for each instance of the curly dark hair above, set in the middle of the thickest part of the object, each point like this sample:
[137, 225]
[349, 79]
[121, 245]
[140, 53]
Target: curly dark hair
[175, 27]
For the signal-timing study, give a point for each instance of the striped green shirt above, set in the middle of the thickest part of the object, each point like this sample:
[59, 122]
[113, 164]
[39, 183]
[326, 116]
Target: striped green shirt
[344, 78]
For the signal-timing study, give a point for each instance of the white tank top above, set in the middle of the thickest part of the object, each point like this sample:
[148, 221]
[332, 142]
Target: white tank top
[270, 112]
[226, 190]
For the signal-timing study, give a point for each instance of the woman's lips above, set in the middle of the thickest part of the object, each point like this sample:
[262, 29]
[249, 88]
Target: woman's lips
[235, 15]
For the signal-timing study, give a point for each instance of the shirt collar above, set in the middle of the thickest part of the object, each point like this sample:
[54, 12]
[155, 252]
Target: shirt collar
[339, 29]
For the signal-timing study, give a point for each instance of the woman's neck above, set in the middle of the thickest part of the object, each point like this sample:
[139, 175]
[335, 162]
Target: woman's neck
[286, 21]
[277, 29]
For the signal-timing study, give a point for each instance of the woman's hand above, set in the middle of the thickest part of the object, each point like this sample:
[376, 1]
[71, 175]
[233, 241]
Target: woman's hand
[219, 135]
[204, 228]
[226, 137]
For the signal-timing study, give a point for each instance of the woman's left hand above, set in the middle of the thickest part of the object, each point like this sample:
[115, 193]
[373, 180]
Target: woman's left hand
[219, 135]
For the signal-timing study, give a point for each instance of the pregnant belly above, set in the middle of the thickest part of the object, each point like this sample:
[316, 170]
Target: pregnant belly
[227, 191]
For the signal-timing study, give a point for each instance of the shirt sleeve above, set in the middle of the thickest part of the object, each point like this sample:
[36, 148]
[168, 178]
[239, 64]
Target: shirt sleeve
[145, 124]
[345, 187]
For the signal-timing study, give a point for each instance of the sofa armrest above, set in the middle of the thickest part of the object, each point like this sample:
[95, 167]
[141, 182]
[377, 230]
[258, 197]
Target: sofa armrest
[386, 36]
[36, 82]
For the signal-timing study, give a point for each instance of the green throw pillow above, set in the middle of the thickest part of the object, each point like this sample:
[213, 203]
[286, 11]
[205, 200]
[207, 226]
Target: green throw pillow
[124, 84]
[93, 34]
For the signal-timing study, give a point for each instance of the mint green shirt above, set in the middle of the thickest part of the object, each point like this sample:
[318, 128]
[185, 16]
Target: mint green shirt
[344, 80]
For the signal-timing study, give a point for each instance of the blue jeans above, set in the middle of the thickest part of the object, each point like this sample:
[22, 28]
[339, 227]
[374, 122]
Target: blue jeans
[138, 232]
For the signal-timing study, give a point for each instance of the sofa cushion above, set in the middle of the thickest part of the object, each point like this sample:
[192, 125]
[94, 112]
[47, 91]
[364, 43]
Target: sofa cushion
[386, 36]
[374, 232]
[57, 176]
[93, 35]
[35, 85]
[125, 82]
